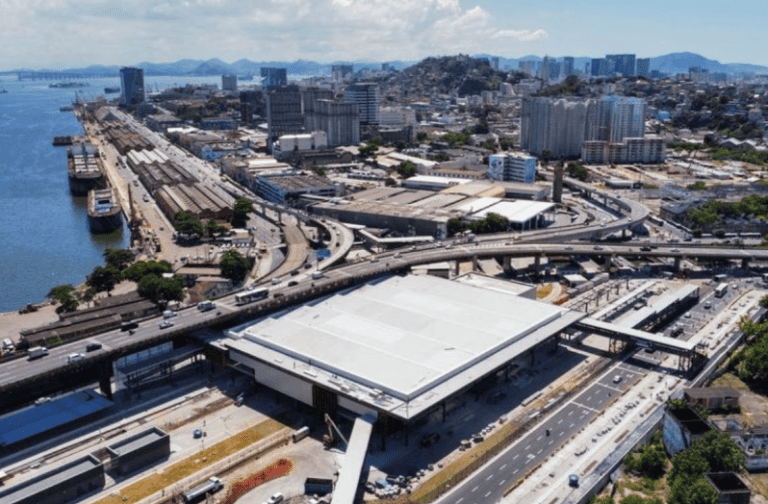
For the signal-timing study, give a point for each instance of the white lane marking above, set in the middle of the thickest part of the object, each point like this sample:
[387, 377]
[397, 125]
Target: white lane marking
[474, 489]
[486, 495]
[502, 467]
[489, 478]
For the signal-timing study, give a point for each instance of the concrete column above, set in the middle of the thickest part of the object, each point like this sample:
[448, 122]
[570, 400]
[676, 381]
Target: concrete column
[678, 263]
[533, 356]
[105, 379]
[745, 263]
[475, 266]
[507, 263]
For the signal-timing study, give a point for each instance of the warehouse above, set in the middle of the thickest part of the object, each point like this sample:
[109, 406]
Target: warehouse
[201, 201]
[398, 347]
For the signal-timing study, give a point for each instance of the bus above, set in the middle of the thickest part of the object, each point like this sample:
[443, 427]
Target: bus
[250, 296]
[721, 289]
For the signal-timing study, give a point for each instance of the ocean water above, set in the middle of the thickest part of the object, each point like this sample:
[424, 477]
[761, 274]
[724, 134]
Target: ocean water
[44, 235]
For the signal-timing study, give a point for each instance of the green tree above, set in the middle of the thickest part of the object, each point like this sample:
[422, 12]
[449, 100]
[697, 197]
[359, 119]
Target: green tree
[161, 291]
[213, 228]
[135, 272]
[653, 462]
[406, 169]
[187, 224]
[234, 266]
[369, 149]
[104, 278]
[63, 294]
[119, 258]
[242, 208]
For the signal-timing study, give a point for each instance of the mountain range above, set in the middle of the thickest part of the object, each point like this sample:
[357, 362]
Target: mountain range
[669, 63]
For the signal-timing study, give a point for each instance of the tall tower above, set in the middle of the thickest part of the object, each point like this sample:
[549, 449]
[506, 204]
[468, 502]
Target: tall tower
[366, 95]
[544, 73]
[132, 83]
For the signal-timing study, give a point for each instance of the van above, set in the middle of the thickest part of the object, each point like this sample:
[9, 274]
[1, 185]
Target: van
[8, 345]
[169, 314]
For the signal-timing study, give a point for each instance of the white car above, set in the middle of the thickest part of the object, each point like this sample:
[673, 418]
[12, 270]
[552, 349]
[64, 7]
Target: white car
[165, 324]
[278, 497]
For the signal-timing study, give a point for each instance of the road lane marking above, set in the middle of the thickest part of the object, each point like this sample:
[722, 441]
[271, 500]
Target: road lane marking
[502, 467]
[489, 478]
[515, 472]
[501, 483]
[486, 495]
[459, 501]
[474, 489]
[513, 458]
[527, 447]
[539, 438]
[559, 421]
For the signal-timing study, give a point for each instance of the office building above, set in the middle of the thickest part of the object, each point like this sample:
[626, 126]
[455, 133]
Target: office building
[273, 77]
[568, 65]
[623, 64]
[528, 67]
[132, 83]
[284, 114]
[644, 67]
[339, 120]
[556, 126]
[339, 72]
[366, 95]
[544, 70]
[554, 70]
[229, 82]
[309, 96]
[614, 118]
[512, 168]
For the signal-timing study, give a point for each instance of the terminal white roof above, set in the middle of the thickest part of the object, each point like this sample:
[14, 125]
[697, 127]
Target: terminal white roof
[478, 204]
[413, 338]
[518, 212]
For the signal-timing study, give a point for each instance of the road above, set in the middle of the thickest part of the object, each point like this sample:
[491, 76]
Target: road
[490, 484]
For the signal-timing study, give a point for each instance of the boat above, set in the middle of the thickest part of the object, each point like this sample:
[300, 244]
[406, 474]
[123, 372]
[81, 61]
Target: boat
[104, 212]
[66, 108]
[67, 85]
[84, 169]
[62, 140]
[109, 90]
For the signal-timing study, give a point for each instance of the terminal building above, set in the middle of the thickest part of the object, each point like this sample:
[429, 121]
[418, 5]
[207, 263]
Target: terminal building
[394, 349]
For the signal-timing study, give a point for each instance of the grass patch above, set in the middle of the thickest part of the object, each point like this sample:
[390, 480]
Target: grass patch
[543, 291]
[730, 380]
[180, 470]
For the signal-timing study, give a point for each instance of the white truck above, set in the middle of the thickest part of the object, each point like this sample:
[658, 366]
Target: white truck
[198, 493]
[36, 352]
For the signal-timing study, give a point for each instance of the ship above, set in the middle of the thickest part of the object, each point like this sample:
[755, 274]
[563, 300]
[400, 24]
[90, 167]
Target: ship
[66, 108]
[104, 212]
[109, 90]
[84, 169]
[63, 140]
[68, 85]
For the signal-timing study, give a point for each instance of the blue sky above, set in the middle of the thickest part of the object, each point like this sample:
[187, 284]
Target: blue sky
[68, 33]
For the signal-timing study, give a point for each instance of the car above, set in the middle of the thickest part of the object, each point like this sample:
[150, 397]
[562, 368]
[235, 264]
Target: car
[573, 480]
[92, 347]
[645, 249]
[617, 378]
[165, 324]
[292, 283]
[568, 247]
[278, 497]
[675, 250]
[197, 434]
[597, 247]
[75, 357]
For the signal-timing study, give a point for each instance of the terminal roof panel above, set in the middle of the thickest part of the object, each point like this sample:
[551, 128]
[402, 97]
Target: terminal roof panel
[402, 335]
[518, 212]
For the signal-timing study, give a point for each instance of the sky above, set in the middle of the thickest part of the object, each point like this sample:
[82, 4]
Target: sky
[62, 34]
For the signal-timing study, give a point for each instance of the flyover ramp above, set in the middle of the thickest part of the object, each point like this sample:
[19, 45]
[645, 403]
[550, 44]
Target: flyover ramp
[352, 467]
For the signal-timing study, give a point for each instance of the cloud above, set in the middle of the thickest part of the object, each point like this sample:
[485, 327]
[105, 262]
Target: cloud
[39, 32]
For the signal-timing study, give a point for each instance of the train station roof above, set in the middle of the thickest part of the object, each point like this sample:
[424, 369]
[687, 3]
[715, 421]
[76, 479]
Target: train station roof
[402, 343]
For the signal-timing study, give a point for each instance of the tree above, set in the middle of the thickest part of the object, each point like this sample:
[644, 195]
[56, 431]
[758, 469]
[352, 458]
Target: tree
[368, 150]
[104, 278]
[213, 228]
[234, 266]
[187, 224]
[242, 208]
[63, 295]
[161, 291]
[406, 169]
[135, 272]
[119, 258]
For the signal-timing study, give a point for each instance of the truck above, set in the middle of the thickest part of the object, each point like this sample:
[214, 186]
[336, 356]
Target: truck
[37, 352]
[198, 493]
[206, 305]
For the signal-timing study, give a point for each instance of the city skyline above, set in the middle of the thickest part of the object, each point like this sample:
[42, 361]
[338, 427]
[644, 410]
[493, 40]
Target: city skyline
[65, 34]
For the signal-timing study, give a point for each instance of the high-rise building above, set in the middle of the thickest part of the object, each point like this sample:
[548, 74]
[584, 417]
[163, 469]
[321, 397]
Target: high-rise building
[599, 67]
[342, 70]
[273, 77]
[528, 67]
[614, 118]
[339, 120]
[495, 62]
[284, 115]
[512, 168]
[554, 69]
[555, 126]
[366, 95]
[229, 82]
[132, 82]
[644, 67]
[308, 98]
[568, 65]
[622, 63]
[544, 71]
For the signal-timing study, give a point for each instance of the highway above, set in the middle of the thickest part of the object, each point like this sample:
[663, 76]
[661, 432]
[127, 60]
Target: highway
[17, 372]
[490, 483]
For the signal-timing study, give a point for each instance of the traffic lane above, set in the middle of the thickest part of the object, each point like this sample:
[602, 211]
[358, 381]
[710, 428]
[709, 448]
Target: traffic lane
[490, 484]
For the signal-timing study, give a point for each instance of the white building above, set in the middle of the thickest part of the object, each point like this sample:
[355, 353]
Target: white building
[512, 168]
[299, 142]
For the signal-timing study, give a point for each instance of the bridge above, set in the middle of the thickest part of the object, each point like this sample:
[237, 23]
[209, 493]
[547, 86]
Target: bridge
[47, 75]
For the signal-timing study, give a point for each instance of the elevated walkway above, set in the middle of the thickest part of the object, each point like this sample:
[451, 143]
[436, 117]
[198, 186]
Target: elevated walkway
[352, 467]
[640, 338]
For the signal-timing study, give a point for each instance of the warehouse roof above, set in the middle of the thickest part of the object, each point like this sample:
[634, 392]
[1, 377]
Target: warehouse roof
[517, 212]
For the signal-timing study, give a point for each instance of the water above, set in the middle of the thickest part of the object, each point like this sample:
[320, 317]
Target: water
[44, 235]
